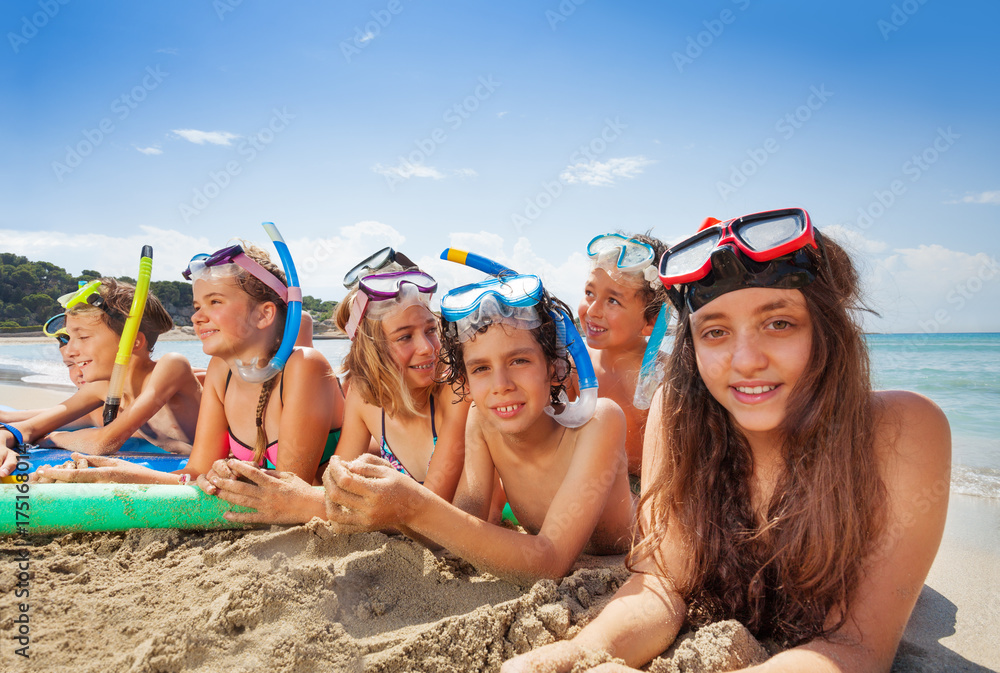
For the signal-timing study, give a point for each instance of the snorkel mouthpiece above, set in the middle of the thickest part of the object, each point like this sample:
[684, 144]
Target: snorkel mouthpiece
[251, 372]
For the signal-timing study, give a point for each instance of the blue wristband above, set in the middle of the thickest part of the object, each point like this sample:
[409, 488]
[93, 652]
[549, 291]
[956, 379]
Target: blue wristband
[14, 431]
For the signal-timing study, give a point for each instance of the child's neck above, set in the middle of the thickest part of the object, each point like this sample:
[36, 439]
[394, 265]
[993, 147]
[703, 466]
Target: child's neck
[610, 358]
[544, 434]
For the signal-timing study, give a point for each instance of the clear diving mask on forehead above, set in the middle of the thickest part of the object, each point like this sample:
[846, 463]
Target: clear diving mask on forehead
[626, 260]
[510, 297]
[382, 292]
[228, 262]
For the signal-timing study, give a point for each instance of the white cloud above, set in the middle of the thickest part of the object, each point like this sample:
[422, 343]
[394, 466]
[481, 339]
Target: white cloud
[367, 37]
[113, 255]
[202, 137]
[991, 198]
[466, 173]
[853, 240]
[605, 173]
[503, 114]
[169, 50]
[155, 149]
[406, 170]
[929, 288]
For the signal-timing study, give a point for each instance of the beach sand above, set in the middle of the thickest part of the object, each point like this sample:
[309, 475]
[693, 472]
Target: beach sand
[303, 599]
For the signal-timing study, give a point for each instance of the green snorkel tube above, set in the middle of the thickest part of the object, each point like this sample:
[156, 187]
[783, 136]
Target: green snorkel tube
[125, 345]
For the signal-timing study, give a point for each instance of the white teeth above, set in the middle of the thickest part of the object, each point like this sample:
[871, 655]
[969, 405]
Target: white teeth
[422, 366]
[755, 390]
[507, 410]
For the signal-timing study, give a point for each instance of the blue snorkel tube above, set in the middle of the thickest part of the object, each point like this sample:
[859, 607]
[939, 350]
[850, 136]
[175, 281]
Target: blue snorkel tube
[251, 373]
[652, 371]
[573, 414]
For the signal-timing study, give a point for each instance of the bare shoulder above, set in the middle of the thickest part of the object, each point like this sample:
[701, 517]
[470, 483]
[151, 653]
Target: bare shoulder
[173, 364]
[605, 429]
[309, 360]
[607, 416]
[914, 426]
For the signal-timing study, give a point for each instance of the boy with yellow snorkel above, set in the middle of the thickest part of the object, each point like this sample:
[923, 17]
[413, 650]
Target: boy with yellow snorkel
[160, 399]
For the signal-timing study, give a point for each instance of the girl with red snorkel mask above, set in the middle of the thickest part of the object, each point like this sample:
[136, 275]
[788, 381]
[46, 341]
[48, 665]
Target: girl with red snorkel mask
[778, 486]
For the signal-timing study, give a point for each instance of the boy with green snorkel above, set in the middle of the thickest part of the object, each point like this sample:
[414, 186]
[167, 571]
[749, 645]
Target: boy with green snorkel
[161, 397]
[621, 302]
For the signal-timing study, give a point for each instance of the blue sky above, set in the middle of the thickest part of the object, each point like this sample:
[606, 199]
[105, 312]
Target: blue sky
[517, 129]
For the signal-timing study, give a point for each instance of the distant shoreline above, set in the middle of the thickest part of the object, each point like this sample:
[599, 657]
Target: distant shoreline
[176, 334]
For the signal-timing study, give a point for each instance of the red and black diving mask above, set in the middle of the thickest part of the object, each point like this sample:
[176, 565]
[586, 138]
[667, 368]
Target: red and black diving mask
[769, 249]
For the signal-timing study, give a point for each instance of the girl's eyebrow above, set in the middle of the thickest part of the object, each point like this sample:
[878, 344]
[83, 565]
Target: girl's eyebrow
[765, 308]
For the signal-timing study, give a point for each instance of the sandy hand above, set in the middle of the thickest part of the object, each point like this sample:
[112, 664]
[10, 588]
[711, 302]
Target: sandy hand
[368, 494]
[563, 657]
[278, 497]
[220, 470]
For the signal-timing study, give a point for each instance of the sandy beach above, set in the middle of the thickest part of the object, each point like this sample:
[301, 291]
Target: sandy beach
[302, 598]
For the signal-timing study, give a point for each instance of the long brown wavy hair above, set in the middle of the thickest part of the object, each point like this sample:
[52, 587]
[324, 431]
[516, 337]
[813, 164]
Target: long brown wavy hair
[791, 578]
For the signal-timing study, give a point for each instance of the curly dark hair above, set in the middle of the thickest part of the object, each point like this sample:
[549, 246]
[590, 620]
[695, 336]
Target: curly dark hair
[452, 353]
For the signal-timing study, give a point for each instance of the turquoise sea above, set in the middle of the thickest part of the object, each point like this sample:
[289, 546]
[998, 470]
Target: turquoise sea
[960, 372]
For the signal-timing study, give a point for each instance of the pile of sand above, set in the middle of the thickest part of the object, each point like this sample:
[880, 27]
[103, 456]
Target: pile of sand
[303, 599]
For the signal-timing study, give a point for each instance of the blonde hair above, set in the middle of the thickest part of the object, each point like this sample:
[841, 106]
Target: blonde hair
[369, 365]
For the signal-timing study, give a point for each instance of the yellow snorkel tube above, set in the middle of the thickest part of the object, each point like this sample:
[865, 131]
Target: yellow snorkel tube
[127, 342]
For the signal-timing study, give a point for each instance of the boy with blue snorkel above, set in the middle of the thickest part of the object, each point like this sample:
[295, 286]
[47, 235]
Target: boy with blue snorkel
[621, 303]
[562, 465]
[162, 395]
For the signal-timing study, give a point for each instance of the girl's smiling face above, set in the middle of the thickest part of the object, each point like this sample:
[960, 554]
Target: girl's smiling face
[92, 345]
[752, 347]
[414, 344]
[223, 318]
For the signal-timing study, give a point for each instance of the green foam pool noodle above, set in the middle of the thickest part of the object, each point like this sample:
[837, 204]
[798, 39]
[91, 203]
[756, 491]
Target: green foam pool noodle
[52, 509]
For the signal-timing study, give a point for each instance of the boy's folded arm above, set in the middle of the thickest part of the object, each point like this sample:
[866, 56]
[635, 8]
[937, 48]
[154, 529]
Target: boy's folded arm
[85, 400]
[568, 525]
[164, 382]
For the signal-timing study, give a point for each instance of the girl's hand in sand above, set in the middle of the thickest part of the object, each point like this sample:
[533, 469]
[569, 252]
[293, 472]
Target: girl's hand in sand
[278, 497]
[563, 657]
[220, 470]
[368, 494]
[38, 478]
[94, 470]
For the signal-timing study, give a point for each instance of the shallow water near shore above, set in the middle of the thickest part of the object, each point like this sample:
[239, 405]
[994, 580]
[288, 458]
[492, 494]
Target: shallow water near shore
[960, 372]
